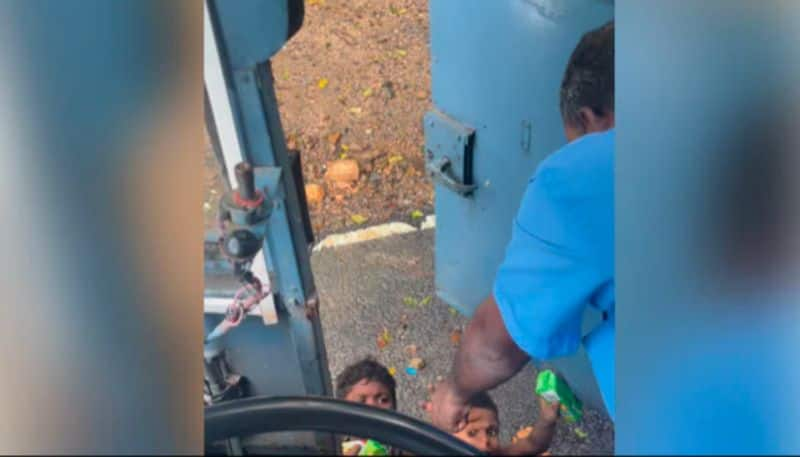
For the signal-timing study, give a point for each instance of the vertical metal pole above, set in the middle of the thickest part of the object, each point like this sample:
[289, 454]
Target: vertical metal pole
[257, 121]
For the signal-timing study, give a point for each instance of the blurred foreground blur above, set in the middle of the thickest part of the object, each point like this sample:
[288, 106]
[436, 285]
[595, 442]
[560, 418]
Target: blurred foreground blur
[708, 227]
[100, 184]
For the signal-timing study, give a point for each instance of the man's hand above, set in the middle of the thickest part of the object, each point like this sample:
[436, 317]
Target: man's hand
[448, 409]
[548, 412]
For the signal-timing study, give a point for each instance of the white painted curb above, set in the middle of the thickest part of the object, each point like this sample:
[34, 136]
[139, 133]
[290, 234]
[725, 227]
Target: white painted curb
[373, 233]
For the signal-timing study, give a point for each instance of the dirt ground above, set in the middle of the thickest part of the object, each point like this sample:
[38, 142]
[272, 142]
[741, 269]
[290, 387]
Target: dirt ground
[354, 83]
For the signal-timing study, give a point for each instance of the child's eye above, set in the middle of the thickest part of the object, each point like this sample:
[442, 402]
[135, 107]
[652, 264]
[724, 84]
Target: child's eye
[491, 432]
[472, 433]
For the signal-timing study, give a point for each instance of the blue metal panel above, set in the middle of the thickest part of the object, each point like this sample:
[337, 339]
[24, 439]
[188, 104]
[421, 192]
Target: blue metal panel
[287, 358]
[254, 29]
[497, 67]
[249, 32]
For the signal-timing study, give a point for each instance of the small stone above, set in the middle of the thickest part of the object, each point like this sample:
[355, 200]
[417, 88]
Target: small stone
[410, 350]
[314, 193]
[342, 170]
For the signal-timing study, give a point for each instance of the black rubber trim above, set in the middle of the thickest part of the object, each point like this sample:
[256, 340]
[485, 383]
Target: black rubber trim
[300, 188]
[296, 16]
[256, 415]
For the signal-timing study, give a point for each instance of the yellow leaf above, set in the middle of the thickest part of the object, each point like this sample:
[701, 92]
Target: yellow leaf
[425, 301]
[343, 156]
[355, 110]
[401, 52]
[416, 214]
[395, 159]
[392, 371]
[402, 11]
[345, 147]
[409, 301]
[367, 92]
[323, 83]
[358, 219]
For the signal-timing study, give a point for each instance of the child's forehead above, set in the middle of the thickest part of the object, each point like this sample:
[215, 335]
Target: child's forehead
[367, 382]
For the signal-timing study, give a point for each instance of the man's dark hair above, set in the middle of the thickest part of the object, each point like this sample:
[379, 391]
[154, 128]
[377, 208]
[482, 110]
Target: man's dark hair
[366, 369]
[589, 78]
[483, 400]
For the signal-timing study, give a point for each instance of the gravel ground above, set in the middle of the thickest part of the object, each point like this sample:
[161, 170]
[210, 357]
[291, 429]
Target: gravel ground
[354, 83]
[364, 288]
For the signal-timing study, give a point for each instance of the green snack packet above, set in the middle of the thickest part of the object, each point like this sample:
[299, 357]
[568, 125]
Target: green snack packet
[372, 447]
[552, 388]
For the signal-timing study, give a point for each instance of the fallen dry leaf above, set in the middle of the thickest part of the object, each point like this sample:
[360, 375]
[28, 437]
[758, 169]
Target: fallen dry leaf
[416, 214]
[323, 83]
[455, 337]
[384, 339]
[358, 219]
[334, 137]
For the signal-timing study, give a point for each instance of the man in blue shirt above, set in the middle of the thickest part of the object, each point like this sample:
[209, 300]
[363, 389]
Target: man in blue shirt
[561, 255]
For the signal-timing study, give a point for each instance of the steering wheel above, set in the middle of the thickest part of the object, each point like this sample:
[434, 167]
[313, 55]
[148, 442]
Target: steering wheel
[255, 415]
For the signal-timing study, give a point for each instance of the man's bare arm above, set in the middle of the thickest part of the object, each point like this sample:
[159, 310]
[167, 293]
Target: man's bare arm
[487, 356]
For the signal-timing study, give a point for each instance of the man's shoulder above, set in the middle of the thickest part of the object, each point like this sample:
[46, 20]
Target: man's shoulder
[584, 165]
[592, 152]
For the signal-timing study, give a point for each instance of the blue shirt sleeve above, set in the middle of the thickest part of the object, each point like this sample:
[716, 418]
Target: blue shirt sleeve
[558, 256]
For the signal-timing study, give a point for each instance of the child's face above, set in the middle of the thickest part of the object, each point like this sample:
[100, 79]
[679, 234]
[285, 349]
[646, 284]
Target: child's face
[482, 430]
[371, 393]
